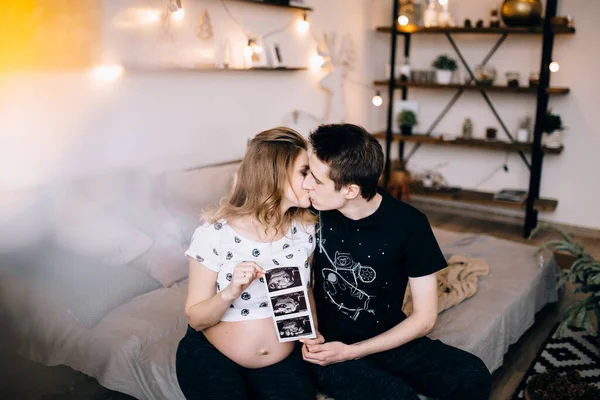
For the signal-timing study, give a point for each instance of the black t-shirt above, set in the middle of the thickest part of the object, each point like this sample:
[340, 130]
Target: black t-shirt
[362, 267]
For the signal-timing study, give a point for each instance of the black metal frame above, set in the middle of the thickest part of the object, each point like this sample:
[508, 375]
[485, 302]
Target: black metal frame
[535, 166]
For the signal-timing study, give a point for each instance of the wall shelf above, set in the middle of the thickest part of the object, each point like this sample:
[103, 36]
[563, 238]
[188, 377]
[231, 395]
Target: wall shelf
[477, 31]
[262, 3]
[232, 70]
[480, 198]
[472, 143]
[489, 88]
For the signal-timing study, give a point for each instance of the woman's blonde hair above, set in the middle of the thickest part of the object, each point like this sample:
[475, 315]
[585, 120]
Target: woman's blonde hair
[262, 179]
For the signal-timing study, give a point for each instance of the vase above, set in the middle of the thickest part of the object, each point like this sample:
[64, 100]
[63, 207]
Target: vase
[552, 141]
[406, 129]
[522, 12]
[444, 77]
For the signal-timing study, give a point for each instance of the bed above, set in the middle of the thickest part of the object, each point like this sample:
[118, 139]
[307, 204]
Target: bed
[131, 348]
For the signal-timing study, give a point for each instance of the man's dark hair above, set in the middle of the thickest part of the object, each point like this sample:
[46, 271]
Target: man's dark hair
[352, 154]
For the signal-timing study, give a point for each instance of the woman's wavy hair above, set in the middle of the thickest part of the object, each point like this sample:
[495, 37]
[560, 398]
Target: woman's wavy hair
[262, 179]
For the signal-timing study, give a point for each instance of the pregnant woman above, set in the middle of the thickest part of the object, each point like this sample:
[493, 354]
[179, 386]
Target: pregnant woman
[231, 349]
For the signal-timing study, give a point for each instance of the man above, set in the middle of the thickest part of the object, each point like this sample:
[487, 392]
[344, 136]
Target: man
[369, 246]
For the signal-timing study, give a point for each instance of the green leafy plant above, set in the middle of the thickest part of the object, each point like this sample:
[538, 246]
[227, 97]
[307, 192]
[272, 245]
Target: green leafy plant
[407, 118]
[552, 123]
[584, 273]
[444, 62]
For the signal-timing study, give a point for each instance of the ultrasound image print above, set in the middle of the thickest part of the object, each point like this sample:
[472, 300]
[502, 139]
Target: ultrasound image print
[290, 303]
[283, 278]
[294, 327]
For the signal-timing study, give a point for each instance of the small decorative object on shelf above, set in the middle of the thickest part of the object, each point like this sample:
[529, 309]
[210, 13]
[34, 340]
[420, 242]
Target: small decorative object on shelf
[522, 12]
[523, 134]
[479, 23]
[405, 71]
[562, 22]
[553, 130]
[467, 129]
[407, 119]
[513, 195]
[444, 18]
[494, 18]
[491, 133]
[468, 23]
[204, 29]
[534, 79]
[485, 74]
[408, 15]
[430, 16]
[444, 66]
[512, 79]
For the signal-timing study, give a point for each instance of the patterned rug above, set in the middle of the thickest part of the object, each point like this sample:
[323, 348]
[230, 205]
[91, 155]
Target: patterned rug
[576, 350]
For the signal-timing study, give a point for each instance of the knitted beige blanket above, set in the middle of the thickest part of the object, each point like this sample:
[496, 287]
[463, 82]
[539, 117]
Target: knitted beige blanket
[456, 282]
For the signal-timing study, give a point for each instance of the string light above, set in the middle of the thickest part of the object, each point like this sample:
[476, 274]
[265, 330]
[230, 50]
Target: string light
[443, 2]
[554, 67]
[303, 25]
[403, 20]
[107, 73]
[317, 61]
[377, 99]
[176, 10]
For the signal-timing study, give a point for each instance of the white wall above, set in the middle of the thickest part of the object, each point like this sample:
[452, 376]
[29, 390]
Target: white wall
[568, 177]
[60, 125]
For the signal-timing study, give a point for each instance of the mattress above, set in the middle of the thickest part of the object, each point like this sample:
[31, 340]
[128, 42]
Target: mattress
[132, 350]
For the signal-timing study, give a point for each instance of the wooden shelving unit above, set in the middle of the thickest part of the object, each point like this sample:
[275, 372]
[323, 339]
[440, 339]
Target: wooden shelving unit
[547, 31]
[499, 145]
[478, 31]
[262, 3]
[480, 198]
[489, 88]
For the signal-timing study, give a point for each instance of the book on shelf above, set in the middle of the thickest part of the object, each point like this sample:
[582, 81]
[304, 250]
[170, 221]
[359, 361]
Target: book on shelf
[512, 195]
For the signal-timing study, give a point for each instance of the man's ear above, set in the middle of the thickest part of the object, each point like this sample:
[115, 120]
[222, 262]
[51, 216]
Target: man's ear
[352, 191]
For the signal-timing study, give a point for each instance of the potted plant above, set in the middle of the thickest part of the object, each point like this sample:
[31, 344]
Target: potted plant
[552, 129]
[444, 66]
[406, 120]
[584, 273]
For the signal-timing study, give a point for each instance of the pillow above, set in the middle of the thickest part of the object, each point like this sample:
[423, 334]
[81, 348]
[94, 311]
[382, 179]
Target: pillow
[164, 261]
[104, 238]
[87, 289]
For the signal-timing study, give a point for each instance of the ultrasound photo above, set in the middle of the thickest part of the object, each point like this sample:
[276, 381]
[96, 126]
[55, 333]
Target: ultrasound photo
[294, 327]
[287, 304]
[283, 278]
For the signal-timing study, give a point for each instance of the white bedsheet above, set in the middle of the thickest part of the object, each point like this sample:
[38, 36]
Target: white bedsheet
[132, 349]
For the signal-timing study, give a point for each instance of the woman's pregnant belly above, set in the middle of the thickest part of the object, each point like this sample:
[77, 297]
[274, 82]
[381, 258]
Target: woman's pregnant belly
[251, 344]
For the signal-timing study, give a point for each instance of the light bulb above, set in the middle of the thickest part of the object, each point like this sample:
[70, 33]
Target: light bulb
[554, 67]
[403, 20]
[302, 25]
[248, 51]
[179, 14]
[443, 2]
[317, 61]
[377, 99]
[107, 73]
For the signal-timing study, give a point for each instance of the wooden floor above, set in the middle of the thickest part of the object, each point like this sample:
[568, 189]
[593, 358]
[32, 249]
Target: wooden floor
[22, 379]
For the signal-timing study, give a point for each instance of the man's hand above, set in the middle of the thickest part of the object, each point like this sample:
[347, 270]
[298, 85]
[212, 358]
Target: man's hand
[328, 353]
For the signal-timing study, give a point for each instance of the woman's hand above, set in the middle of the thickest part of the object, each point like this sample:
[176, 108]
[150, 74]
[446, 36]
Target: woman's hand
[243, 275]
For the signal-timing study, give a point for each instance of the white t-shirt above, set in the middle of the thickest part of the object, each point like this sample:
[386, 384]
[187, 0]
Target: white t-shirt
[220, 248]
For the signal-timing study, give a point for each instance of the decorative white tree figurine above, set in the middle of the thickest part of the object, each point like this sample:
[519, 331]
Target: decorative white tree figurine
[204, 29]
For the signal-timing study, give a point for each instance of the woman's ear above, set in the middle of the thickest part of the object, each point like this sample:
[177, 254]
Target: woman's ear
[352, 191]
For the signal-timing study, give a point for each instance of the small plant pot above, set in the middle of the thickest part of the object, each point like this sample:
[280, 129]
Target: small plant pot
[552, 141]
[406, 129]
[444, 77]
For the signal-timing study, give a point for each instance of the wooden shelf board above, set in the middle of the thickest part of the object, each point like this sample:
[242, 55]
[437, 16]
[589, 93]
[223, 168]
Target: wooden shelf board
[202, 69]
[488, 88]
[478, 31]
[262, 3]
[473, 143]
[481, 198]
